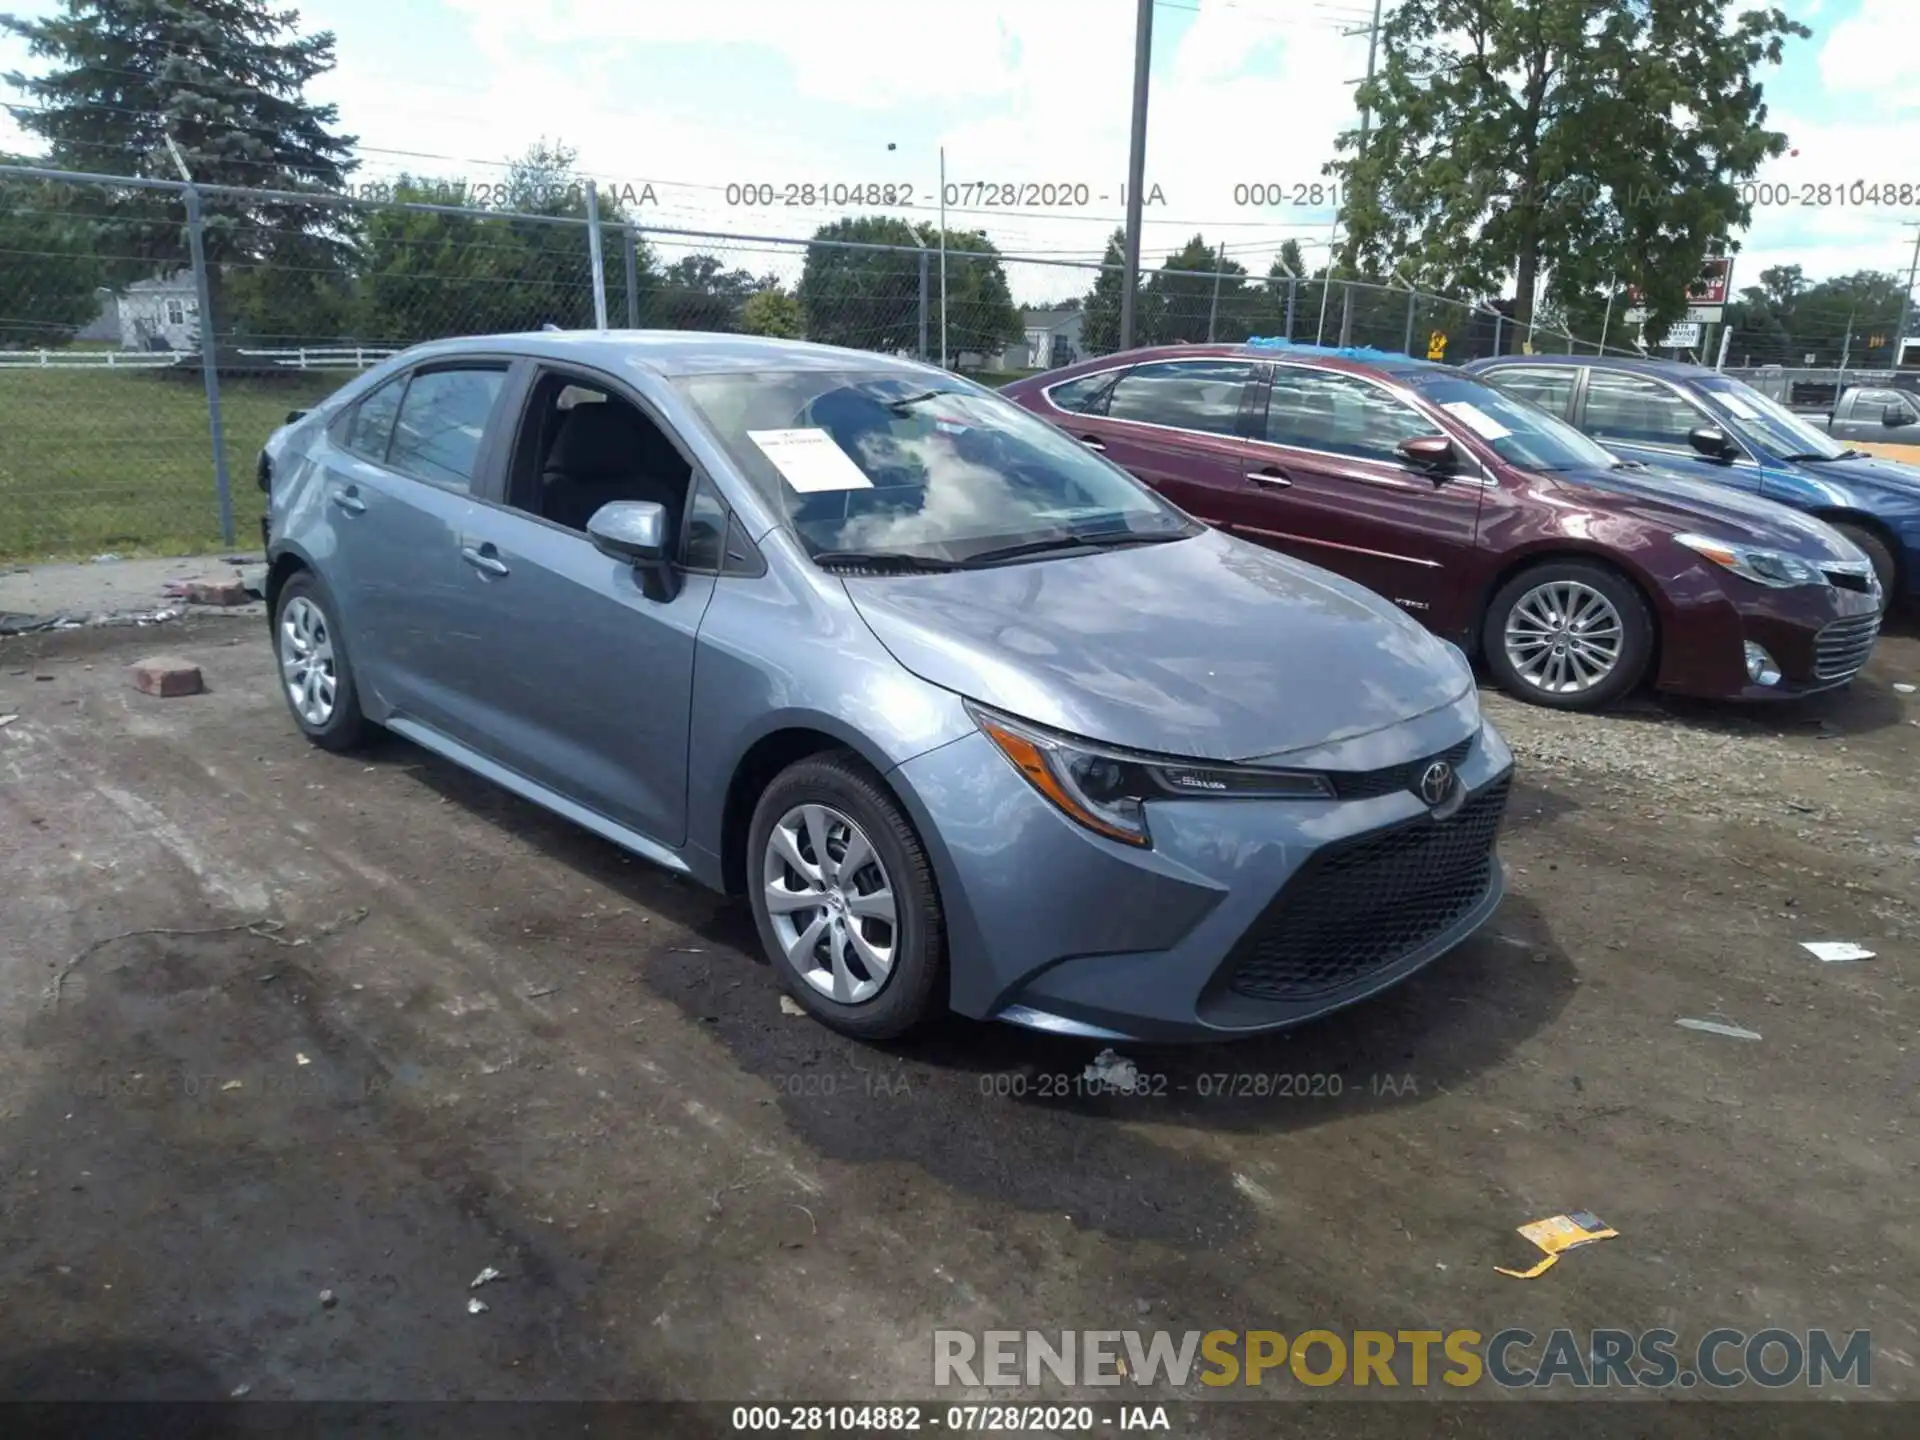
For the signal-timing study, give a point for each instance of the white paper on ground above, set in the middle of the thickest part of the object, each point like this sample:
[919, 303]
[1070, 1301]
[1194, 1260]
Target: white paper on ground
[810, 460]
[1714, 1027]
[1831, 950]
[1477, 420]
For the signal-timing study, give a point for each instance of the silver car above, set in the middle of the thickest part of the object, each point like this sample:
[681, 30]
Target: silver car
[969, 715]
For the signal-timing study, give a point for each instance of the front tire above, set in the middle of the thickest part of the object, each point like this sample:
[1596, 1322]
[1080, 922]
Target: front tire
[310, 655]
[1568, 634]
[844, 899]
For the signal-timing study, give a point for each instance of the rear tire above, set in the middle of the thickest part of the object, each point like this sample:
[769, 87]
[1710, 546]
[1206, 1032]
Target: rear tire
[1568, 634]
[1885, 567]
[844, 899]
[312, 665]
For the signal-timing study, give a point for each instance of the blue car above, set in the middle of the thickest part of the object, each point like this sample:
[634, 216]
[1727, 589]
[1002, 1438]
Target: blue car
[969, 716]
[1694, 421]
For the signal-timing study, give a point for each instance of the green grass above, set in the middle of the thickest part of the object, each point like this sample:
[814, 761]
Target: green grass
[105, 460]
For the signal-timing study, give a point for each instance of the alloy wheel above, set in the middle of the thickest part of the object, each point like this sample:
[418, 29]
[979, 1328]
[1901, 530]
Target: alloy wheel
[1564, 637]
[307, 660]
[831, 903]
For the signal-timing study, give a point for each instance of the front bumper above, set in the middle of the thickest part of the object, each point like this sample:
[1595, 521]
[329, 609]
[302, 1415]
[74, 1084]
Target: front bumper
[1245, 916]
[1820, 636]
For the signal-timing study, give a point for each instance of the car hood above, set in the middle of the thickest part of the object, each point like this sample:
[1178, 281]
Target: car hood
[1211, 647]
[1892, 474]
[1680, 502]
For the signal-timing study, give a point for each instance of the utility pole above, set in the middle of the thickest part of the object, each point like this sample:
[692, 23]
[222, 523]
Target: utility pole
[1136, 163]
[1366, 127]
[943, 257]
[1906, 301]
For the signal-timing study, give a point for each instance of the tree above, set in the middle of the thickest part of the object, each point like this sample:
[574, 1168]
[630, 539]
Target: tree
[225, 81]
[865, 299]
[1611, 135]
[49, 276]
[981, 318]
[695, 293]
[772, 312]
[1100, 330]
[1190, 306]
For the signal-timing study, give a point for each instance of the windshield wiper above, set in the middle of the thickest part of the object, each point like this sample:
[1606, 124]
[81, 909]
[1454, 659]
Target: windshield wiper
[884, 560]
[1091, 540]
[907, 402]
[1811, 455]
[1628, 465]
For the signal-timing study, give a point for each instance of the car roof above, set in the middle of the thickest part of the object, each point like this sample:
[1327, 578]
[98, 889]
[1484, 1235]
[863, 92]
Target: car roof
[1332, 357]
[1633, 364]
[676, 353]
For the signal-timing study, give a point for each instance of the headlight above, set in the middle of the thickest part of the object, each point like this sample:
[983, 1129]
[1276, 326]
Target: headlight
[1763, 567]
[1106, 790]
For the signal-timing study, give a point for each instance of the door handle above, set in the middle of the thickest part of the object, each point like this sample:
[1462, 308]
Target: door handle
[1269, 477]
[349, 500]
[1091, 442]
[483, 559]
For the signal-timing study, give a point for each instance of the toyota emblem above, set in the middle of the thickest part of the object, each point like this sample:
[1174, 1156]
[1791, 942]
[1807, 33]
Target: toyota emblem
[1436, 783]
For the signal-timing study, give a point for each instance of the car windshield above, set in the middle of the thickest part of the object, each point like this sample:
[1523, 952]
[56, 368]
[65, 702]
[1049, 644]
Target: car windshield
[881, 464]
[1519, 432]
[1764, 422]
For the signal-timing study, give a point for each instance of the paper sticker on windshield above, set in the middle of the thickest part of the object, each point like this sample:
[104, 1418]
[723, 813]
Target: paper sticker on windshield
[1737, 405]
[1476, 419]
[810, 460]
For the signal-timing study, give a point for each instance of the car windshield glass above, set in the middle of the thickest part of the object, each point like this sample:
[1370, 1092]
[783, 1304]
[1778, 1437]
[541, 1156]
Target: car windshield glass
[886, 464]
[1763, 421]
[1520, 433]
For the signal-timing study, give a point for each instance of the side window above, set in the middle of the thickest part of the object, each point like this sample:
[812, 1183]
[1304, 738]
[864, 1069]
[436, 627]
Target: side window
[1185, 394]
[1083, 396]
[370, 423]
[441, 422]
[704, 545]
[1341, 414]
[1626, 407]
[1551, 390]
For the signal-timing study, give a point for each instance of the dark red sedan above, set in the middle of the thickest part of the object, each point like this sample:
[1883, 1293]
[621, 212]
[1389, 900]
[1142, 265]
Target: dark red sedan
[1574, 574]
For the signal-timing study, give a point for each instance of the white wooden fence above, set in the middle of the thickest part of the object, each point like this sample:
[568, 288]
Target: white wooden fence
[346, 357]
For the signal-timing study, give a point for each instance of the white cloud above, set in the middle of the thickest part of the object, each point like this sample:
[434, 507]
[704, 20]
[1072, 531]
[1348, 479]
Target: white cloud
[1869, 56]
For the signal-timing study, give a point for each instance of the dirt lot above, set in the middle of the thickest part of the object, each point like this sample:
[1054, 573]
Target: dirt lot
[275, 1022]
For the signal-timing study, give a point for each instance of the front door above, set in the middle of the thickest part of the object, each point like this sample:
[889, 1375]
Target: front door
[1327, 484]
[574, 677]
[1640, 418]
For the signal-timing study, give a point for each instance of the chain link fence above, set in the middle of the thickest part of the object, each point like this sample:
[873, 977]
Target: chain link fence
[122, 432]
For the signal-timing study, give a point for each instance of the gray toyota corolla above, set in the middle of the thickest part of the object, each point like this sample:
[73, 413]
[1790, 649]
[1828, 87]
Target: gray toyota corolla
[972, 717]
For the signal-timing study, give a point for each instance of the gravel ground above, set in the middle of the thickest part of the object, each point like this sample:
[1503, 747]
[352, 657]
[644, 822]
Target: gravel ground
[275, 1022]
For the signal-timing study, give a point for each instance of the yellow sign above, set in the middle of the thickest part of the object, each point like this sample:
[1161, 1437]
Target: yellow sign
[1437, 345]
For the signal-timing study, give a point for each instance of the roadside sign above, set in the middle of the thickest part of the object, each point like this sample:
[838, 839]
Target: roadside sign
[1696, 315]
[1707, 300]
[1680, 337]
[1437, 345]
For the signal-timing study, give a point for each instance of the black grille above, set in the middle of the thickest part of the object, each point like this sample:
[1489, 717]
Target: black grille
[1365, 784]
[1859, 581]
[1840, 649]
[1362, 904]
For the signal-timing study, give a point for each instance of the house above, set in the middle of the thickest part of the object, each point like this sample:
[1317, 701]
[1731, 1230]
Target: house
[162, 314]
[1052, 339]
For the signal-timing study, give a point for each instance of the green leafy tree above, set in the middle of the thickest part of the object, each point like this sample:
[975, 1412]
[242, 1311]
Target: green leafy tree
[49, 275]
[1612, 135]
[1100, 330]
[225, 81]
[773, 312]
[697, 293]
[981, 317]
[1188, 305]
[865, 299]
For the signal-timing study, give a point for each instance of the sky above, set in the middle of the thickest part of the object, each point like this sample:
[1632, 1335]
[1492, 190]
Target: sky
[692, 98]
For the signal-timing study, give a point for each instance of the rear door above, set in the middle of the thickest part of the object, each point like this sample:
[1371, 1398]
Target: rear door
[1326, 483]
[1180, 426]
[400, 497]
[1640, 417]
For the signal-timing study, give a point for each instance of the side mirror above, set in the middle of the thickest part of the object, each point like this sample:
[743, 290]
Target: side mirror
[1893, 415]
[1431, 454]
[1712, 442]
[635, 533]
[293, 415]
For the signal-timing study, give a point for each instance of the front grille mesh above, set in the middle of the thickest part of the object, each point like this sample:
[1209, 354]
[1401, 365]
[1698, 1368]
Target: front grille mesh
[1841, 648]
[1360, 905]
[1366, 784]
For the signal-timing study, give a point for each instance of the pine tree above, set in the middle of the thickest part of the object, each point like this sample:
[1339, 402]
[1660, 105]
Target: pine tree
[1100, 330]
[225, 81]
